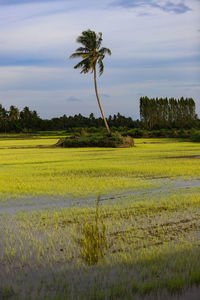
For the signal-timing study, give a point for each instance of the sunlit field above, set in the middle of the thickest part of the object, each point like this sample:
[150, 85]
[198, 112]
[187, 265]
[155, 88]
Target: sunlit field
[99, 223]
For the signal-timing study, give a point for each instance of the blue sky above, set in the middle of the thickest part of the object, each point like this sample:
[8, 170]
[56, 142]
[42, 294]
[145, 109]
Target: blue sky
[155, 52]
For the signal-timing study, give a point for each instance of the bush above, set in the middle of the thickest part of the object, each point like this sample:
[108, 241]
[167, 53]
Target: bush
[195, 137]
[137, 133]
[184, 134]
[91, 140]
[93, 129]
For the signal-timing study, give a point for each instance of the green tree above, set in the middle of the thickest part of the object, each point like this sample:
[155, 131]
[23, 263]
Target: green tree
[164, 113]
[13, 113]
[3, 118]
[25, 117]
[92, 54]
[13, 118]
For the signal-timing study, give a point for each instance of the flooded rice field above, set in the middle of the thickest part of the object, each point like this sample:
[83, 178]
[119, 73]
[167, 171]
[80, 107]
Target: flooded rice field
[166, 187]
[100, 223]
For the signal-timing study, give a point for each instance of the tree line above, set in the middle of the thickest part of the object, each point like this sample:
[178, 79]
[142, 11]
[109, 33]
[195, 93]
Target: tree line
[26, 120]
[167, 113]
[155, 114]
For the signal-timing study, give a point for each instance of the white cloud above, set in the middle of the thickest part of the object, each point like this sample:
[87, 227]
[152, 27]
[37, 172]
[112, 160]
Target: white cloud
[43, 30]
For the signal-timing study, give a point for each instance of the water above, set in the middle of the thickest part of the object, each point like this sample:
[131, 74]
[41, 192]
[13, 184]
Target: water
[167, 187]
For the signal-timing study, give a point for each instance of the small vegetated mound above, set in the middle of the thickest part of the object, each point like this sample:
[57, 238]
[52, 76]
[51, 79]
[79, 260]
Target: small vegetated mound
[96, 140]
[127, 142]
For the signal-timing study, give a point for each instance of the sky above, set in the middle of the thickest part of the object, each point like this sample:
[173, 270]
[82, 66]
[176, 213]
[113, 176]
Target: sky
[155, 48]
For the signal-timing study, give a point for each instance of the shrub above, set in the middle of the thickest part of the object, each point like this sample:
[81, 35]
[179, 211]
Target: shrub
[137, 132]
[91, 140]
[93, 129]
[183, 134]
[195, 137]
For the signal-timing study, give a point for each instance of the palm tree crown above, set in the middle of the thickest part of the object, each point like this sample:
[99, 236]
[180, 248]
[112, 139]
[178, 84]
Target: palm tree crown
[92, 54]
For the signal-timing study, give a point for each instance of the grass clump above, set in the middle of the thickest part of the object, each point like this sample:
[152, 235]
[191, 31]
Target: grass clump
[93, 243]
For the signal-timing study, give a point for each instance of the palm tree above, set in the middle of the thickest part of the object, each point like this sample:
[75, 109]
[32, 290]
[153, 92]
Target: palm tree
[91, 55]
[13, 113]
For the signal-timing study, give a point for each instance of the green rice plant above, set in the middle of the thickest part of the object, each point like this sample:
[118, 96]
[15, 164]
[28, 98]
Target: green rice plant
[7, 292]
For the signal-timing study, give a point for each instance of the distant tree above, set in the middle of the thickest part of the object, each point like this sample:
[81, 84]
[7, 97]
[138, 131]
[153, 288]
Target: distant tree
[13, 113]
[64, 121]
[25, 118]
[3, 118]
[13, 118]
[164, 113]
[25, 113]
[91, 55]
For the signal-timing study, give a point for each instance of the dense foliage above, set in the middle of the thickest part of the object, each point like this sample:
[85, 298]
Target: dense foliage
[13, 120]
[195, 137]
[167, 113]
[91, 140]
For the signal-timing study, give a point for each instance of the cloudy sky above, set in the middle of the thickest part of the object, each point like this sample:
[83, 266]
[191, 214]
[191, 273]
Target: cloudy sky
[155, 48]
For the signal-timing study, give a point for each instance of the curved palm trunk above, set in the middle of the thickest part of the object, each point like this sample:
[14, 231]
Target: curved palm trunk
[101, 109]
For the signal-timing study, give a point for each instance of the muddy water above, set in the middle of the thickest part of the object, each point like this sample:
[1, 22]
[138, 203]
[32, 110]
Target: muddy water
[167, 187]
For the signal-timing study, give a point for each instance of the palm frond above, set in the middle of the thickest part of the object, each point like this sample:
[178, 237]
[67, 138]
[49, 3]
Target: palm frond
[104, 51]
[87, 67]
[85, 64]
[77, 55]
[82, 49]
[99, 40]
[101, 66]
[81, 64]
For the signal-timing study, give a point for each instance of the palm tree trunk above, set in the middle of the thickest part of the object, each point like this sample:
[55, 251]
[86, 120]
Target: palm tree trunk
[101, 109]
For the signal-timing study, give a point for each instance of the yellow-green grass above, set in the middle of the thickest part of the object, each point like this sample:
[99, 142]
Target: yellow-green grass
[157, 140]
[38, 134]
[27, 142]
[85, 172]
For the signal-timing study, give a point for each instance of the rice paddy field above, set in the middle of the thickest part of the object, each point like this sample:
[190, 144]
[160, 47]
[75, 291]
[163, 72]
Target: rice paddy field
[99, 223]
